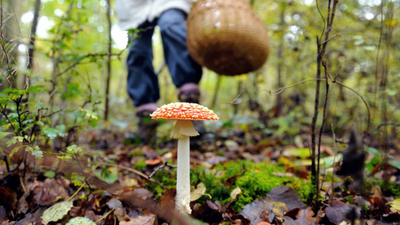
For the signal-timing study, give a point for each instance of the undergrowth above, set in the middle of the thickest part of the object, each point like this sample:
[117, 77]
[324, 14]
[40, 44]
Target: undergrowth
[254, 180]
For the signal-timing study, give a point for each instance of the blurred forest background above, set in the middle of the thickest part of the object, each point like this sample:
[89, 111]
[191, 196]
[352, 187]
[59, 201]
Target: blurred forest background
[76, 48]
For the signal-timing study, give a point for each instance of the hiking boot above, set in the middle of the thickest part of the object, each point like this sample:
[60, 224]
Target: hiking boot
[147, 128]
[189, 93]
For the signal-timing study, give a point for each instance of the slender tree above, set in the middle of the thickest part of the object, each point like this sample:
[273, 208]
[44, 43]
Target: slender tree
[106, 111]
[32, 39]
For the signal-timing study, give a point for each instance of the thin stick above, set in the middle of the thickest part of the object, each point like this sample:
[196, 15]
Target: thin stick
[76, 192]
[102, 218]
[5, 159]
[133, 171]
[217, 85]
[160, 167]
[334, 159]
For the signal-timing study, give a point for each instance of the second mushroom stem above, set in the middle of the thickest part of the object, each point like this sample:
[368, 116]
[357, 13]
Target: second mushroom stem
[183, 176]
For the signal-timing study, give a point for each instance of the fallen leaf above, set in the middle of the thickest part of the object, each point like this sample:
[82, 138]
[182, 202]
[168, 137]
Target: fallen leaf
[80, 221]
[168, 198]
[288, 221]
[198, 192]
[47, 192]
[140, 220]
[56, 212]
[395, 204]
[288, 196]
[119, 211]
[261, 210]
[340, 211]
[305, 217]
[235, 193]
[153, 162]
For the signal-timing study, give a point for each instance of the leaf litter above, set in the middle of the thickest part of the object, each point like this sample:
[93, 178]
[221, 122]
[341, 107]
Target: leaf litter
[116, 187]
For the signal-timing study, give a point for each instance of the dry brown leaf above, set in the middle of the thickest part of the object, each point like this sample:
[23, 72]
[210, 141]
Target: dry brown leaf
[261, 210]
[288, 196]
[140, 220]
[338, 211]
[305, 217]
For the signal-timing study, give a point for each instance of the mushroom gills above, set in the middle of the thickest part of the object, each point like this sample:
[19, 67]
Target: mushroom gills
[184, 128]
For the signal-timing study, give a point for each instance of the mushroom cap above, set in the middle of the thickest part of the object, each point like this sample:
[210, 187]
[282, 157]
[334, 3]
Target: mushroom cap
[184, 111]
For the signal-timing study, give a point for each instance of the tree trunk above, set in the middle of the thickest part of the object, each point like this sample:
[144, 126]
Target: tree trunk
[10, 13]
[280, 60]
[31, 46]
[106, 111]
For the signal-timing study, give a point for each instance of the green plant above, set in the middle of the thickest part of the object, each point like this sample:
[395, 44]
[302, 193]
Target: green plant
[255, 180]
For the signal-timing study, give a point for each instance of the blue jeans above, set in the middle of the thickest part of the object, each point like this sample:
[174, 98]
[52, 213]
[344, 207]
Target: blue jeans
[142, 83]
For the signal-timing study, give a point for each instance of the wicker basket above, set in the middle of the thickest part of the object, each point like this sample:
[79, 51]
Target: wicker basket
[226, 36]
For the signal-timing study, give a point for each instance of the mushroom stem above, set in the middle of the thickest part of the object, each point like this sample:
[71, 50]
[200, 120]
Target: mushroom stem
[182, 202]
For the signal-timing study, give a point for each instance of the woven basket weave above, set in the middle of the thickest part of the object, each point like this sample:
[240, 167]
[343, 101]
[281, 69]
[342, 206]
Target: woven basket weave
[226, 36]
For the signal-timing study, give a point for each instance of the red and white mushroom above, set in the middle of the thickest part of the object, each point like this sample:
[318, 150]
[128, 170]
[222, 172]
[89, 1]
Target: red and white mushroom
[184, 113]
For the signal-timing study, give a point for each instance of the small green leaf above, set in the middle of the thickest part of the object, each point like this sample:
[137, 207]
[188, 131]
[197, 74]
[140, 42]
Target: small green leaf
[35, 89]
[107, 174]
[73, 149]
[373, 151]
[370, 48]
[14, 140]
[49, 174]
[54, 132]
[358, 42]
[298, 152]
[56, 212]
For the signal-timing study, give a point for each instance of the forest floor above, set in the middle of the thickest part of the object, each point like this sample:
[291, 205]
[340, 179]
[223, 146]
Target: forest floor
[238, 176]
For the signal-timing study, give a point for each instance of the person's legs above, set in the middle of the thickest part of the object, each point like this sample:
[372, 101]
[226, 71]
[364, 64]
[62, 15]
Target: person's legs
[185, 72]
[142, 85]
[142, 81]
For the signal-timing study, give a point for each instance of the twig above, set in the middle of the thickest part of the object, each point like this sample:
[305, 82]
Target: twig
[324, 63]
[22, 183]
[102, 218]
[365, 103]
[76, 192]
[217, 86]
[334, 159]
[160, 167]
[86, 56]
[5, 159]
[52, 113]
[276, 92]
[315, 170]
[133, 171]
[3, 111]
[384, 124]
[314, 176]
